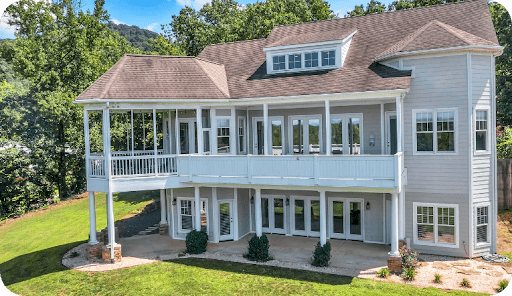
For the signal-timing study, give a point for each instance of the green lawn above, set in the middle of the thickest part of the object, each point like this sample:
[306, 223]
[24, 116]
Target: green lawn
[30, 251]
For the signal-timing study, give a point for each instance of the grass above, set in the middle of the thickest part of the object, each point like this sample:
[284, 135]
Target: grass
[31, 248]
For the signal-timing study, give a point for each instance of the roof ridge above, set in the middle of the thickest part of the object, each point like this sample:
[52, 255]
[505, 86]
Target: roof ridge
[457, 32]
[414, 35]
[208, 75]
[238, 41]
[208, 61]
[113, 77]
[156, 55]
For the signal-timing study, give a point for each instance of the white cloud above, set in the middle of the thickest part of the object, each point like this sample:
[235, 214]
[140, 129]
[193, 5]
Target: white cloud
[196, 4]
[6, 31]
[151, 27]
[117, 22]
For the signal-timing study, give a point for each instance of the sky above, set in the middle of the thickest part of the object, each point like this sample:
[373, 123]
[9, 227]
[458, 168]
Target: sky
[151, 14]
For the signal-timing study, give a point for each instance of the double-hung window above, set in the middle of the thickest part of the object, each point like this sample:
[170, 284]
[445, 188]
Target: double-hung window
[436, 224]
[435, 131]
[186, 212]
[481, 130]
[482, 225]
[223, 136]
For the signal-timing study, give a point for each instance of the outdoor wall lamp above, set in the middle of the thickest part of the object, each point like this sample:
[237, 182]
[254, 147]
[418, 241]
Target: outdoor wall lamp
[252, 199]
[287, 201]
[367, 205]
[173, 201]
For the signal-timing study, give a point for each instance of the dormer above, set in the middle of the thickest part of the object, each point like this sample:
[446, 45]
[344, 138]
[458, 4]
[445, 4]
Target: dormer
[308, 52]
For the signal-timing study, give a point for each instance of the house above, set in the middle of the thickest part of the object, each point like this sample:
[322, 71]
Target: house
[376, 128]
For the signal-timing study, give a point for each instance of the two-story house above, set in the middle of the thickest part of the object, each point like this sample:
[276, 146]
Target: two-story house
[377, 128]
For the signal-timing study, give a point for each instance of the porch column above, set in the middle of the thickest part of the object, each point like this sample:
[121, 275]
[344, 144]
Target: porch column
[199, 118]
[266, 134]
[155, 146]
[328, 132]
[399, 123]
[382, 131]
[163, 216]
[87, 144]
[177, 133]
[257, 212]
[106, 142]
[394, 225]
[197, 208]
[92, 219]
[323, 219]
[110, 223]
[401, 215]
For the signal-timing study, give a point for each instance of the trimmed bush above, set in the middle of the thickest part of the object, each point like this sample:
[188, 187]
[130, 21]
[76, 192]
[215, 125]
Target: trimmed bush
[465, 283]
[437, 278]
[409, 257]
[409, 273]
[196, 242]
[383, 272]
[502, 285]
[322, 255]
[258, 249]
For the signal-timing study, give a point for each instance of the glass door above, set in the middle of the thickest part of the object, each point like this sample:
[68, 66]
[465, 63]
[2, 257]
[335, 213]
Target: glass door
[306, 216]
[337, 218]
[305, 134]
[276, 126]
[346, 133]
[225, 220]
[391, 133]
[299, 216]
[273, 214]
[188, 136]
[346, 218]
[355, 217]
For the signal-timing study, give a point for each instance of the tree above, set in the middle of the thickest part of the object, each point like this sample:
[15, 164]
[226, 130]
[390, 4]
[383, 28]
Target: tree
[372, 7]
[61, 51]
[227, 21]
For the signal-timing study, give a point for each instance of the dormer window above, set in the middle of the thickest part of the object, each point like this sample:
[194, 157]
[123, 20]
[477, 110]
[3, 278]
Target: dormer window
[328, 58]
[279, 63]
[295, 61]
[311, 59]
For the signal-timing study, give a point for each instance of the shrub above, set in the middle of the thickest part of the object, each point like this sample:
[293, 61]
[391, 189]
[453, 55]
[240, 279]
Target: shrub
[502, 285]
[196, 242]
[383, 272]
[437, 278]
[465, 283]
[409, 273]
[409, 257]
[322, 255]
[258, 249]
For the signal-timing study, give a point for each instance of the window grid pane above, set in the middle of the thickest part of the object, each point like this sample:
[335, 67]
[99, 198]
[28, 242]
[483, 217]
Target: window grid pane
[295, 61]
[425, 223]
[328, 58]
[424, 131]
[481, 130]
[311, 59]
[482, 219]
[279, 62]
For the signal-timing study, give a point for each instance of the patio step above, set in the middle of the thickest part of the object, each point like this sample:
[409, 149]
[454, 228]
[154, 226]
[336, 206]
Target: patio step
[150, 230]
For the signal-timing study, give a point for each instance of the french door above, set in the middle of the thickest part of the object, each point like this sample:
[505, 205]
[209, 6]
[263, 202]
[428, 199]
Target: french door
[276, 126]
[305, 134]
[226, 220]
[305, 216]
[347, 133]
[273, 213]
[346, 218]
[188, 135]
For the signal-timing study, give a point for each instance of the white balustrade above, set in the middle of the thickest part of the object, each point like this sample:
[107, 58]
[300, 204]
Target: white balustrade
[143, 165]
[96, 167]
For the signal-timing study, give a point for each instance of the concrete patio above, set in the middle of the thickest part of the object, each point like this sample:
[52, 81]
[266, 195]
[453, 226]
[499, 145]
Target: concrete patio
[345, 254]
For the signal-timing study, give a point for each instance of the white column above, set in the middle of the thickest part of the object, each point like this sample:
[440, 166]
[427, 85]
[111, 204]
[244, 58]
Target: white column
[155, 146]
[323, 219]
[133, 140]
[169, 131]
[328, 132]
[216, 229]
[233, 133]
[401, 215]
[394, 225]
[257, 212]
[213, 132]
[163, 214]
[106, 142]
[398, 124]
[197, 208]
[266, 131]
[382, 130]
[199, 118]
[177, 133]
[92, 219]
[87, 143]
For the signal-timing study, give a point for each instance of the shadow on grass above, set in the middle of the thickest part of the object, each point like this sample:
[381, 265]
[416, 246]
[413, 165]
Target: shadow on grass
[136, 197]
[34, 264]
[269, 271]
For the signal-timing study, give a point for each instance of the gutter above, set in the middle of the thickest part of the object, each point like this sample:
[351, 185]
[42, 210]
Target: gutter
[492, 48]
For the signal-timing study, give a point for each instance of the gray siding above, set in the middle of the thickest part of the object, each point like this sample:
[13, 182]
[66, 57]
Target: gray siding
[243, 212]
[440, 82]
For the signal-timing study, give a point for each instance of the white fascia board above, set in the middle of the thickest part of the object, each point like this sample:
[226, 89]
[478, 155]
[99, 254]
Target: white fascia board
[495, 49]
[316, 44]
[349, 96]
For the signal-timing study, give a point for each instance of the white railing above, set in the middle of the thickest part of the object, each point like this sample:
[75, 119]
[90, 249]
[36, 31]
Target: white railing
[96, 167]
[145, 165]
[136, 153]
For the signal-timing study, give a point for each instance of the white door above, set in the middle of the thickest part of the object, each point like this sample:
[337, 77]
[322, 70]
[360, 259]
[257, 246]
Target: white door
[225, 220]
[188, 134]
[305, 134]
[276, 125]
[305, 216]
[346, 218]
[273, 214]
[337, 218]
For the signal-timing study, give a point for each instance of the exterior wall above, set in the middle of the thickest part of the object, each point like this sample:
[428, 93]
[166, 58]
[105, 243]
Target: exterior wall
[244, 224]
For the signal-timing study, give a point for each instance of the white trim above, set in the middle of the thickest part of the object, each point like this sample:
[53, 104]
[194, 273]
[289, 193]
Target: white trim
[434, 131]
[192, 199]
[297, 46]
[216, 133]
[235, 214]
[287, 53]
[230, 236]
[191, 126]
[271, 214]
[470, 120]
[435, 206]
[307, 216]
[241, 149]
[346, 218]
[486, 109]
[486, 48]
[388, 130]
[475, 224]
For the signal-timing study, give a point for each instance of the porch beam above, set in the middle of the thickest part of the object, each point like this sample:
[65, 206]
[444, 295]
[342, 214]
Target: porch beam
[106, 142]
[266, 132]
[163, 214]
[92, 219]
[257, 212]
[323, 219]
[394, 225]
[328, 132]
[197, 208]
[399, 123]
[199, 119]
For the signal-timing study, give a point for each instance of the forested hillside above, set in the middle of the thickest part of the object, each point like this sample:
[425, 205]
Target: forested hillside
[138, 37]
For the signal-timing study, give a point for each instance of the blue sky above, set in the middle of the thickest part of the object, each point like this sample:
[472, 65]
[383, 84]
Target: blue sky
[150, 14]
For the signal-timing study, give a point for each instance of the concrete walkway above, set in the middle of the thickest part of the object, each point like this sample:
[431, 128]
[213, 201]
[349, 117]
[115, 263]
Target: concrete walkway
[344, 253]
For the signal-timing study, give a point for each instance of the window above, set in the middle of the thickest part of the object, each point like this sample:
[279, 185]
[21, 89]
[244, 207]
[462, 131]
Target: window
[295, 61]
[482, 225]
[436, 224]
[481, 130]
[206, 130]
[279, 63]
[435, 131]
[241, 134]
[328, 58]
[223, 136]
[311, 59]
[187, 214]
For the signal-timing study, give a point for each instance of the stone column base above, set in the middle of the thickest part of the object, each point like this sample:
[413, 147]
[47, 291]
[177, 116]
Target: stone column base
[105, 253]
[94, 251]
[401, 243]
[395, 264]
[164, 229]
[104, 235]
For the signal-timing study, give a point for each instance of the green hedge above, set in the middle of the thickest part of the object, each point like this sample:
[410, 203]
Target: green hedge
[322, 255]
[196, 242]
[258, 249]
